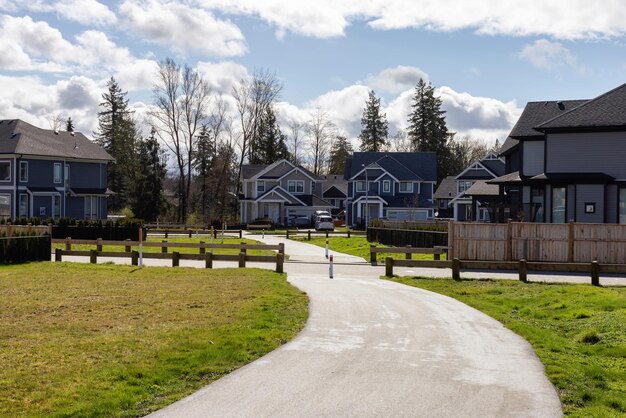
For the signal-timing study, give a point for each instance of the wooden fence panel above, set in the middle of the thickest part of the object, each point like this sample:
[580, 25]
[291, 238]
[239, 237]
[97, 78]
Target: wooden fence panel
[477, 241]
[540, 242]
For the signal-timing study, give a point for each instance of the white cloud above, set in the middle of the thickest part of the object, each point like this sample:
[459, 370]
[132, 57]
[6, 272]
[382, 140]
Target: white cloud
[222, 76]
[85, 12]
[182, 28]
[78, 93]
[395, 80]
[344, 107]
[548, 55]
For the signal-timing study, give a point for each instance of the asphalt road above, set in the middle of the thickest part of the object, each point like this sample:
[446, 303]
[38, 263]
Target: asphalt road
[373, 348]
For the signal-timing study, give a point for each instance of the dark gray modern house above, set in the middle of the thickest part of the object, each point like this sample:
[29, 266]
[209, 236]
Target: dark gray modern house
[51, 174]
[566, 160]
[391, 185]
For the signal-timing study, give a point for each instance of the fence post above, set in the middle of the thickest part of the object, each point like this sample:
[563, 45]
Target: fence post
[166, 233]
[451, 240]
[595, 273]
[164, 246]
[240, 234]
[287, 234]
[127, 247]
[242, 259]
[93, 256]
[134, 258]
[281, 248]
[280, 259]
[570, 241]
[348, 233]
[202, 249]
[456, 269]
[372, 254]
[408, 255]
[523, 270]
[99, 244]
[508, 244]
[58, 254]
[309, 235]
[190, 233]
[243, 248]
[175, 259]
[389, 267]
[326, 234]
[208, 260]
[68, 244]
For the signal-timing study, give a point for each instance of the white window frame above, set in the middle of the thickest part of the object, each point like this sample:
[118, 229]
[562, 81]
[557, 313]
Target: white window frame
[408, 190]
[19, 206]
[91, 214]
[260, 186]
[66, 176]
[8, 197]
[56, 206]
[386, 186]
[59, 178]
[292, 186]
[463, 185]
[24, 164]
[358, 187]
[10, 169]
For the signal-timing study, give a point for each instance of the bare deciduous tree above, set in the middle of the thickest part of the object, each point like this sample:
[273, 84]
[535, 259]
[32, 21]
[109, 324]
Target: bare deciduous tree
[320, 131]
[253, 97]
[400, 142]
[181, 98]
[295, 142]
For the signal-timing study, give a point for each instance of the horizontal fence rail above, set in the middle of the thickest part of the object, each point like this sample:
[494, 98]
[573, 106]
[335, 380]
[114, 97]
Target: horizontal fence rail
[190, 232]
[164, 245]
[289, 233]
[407, 251]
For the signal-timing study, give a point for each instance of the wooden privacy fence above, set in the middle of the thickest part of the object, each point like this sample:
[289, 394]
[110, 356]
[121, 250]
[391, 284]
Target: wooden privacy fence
[11, 230]
[242, 257]
[407, 251]
[557, 243]
[190, 232]
[522, 266]
[403, 237]
[326, 234]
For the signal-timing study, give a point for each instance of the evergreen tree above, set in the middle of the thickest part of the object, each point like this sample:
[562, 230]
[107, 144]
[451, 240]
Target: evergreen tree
[427, 127]
[146, 194]
[374, 127]
[340, 152]
[268, 145]
[116, 134]
[69, 125]
[203, 164]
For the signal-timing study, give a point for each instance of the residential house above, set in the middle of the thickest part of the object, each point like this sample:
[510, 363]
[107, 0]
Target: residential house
[392, 185]
[280, 192]
[474, 198]
[565, 161]
[335, 192]
[446, 191]
[51, 174]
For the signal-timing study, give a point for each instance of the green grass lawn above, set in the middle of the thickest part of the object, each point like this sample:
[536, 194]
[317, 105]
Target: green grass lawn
[85, 247]
[578, 332]
[357, 246]
[86, 340]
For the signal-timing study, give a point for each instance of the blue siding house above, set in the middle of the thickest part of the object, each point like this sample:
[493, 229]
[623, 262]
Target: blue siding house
[51, 174]
[391, 185]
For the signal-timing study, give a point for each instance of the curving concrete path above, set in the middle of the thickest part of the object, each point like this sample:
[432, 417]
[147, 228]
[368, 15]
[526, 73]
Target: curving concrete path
[374, 348]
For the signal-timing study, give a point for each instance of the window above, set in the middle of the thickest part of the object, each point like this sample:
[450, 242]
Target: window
[5, 170]
[56, 206]
[312, 187]
[386, 186]
[260, 186]
[464, 185]
[558, 205]
[67, 176]
[406, 187]
[23, 171]
[57, 172]
[23, 205]
[295, 186]
[443, 203]
[91, 207]
[536, 202]
[360, 186]
[5, 205]
[622, 205]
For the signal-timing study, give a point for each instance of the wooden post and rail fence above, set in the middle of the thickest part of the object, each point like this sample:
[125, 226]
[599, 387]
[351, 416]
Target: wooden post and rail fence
[242, 257]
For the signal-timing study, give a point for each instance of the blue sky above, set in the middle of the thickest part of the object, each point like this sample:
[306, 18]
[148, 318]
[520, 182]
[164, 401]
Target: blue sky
[486, 58]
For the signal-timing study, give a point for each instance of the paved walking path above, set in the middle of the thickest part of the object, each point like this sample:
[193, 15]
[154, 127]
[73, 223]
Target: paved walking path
[374, 348]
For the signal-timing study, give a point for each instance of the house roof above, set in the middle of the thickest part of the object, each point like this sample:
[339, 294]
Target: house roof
[335, 181]
[19, 137]
[605, 111]
[312, 200]
[446, 189]
[536, 113]
[334, 192]
[509, 145]
[402, 165]
[249, 170]
[481, 188]
[511, 178]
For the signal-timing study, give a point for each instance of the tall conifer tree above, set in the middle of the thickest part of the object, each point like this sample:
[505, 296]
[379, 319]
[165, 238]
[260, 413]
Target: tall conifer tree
[374, 126]
[339, 153]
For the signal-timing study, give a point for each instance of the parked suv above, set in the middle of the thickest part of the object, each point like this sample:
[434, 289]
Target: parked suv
[324, 223]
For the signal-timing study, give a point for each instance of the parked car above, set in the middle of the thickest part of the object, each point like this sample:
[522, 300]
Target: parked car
[317, 214]
[324, 223]
[301, 222]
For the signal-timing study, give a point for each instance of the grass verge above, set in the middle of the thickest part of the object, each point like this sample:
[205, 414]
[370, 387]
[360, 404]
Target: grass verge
[357, 246]
[578, 332]
[109, 340]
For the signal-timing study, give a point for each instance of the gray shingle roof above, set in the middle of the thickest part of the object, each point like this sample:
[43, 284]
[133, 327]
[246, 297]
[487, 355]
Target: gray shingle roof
[250, 170]
[337, 181]
[446, 189]
[417, 165]
[536, 113]
[480, 188]
[19, 137]
[605, 111]
[508, 146]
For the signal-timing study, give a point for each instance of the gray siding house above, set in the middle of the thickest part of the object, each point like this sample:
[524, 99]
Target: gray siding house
[51, 174]
[280, 191]
[391, 185]
[567, 161]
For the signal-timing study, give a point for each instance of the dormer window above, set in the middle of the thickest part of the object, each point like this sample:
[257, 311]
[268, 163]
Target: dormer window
[260, 186]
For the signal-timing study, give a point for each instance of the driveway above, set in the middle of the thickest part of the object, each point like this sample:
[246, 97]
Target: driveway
[374, 348]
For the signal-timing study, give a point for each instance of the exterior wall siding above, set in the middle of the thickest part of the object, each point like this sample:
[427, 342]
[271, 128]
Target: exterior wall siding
[610, 215]
[297, 175]
[533, 157]
[600, 152]
[590, 193]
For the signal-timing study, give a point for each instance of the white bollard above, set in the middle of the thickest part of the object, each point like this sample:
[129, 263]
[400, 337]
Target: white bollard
[330, 267]
[326, 247]
[263, 234]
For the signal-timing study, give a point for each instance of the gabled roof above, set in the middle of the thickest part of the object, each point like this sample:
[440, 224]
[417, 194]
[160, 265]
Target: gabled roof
[481, 188]
[19, 137]
[402, 165]
[314, 201]
[335, 181]
[284, 194]
[605, 111]
[536, 113]
[446, 189]
[508, 146]
[249, 170]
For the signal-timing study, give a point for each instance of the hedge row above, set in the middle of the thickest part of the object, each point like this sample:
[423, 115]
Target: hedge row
[24, 248]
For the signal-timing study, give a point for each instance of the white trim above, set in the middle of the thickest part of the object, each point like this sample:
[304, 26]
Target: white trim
[296, 187]
[372, 198]
[471, 167]
[20, 172]
[301, 171]
[278, 187]
[387, 182]
[10, 171]
[269, 168]
[356, 188]
[273, 199]
[386, 173]
[54, 166]
[406, 191]
[19, 204]
[257, 184]
[370, 167]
